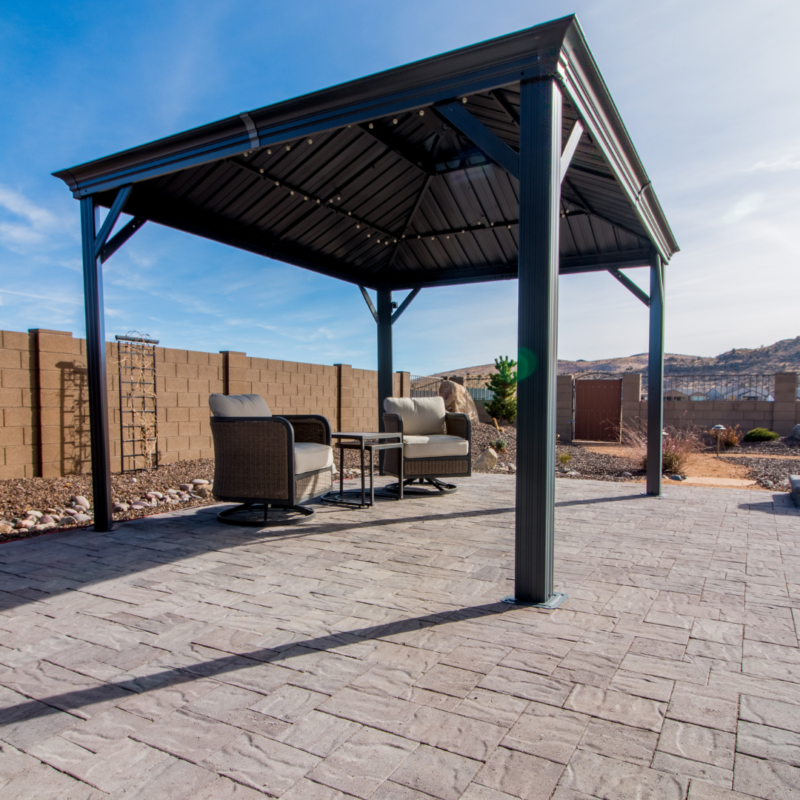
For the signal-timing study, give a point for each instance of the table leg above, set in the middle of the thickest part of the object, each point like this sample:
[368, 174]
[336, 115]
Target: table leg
[402, 475]
[371, 477]
[341, 472]
[363, 488]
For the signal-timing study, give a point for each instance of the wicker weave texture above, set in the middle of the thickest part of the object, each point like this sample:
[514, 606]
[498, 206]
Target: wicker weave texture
[457, 425]
[251, 459]
[434, 467]
[314, 484]
[308, 429]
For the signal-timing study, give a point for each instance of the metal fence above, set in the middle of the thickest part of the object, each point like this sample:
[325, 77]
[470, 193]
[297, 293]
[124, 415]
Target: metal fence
[428, 386]
[424, 386]
[697, 388]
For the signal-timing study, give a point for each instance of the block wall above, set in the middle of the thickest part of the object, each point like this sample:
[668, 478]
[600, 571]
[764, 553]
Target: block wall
[44, 406]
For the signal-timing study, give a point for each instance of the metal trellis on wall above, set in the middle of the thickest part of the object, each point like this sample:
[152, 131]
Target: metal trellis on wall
[138, 403]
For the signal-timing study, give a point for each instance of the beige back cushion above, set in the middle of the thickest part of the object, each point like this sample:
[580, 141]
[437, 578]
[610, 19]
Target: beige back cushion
[238, 405]
[422, 416]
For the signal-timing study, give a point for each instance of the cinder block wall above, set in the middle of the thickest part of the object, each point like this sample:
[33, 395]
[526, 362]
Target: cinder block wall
[780, 415]
[44, 406]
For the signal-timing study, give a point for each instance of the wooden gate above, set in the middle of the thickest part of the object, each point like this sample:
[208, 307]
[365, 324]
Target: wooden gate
[598, 410]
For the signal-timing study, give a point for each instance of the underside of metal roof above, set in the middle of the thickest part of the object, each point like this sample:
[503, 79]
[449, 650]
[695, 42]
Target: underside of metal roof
[371, 181]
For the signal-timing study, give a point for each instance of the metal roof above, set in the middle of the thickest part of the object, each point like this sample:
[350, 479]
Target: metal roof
[370, 181]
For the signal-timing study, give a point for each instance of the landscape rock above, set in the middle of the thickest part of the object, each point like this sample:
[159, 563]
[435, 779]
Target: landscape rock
[67, 521]
[47, 520]
[675, 478]
[458, 399]
[487, 461]
[574, 473]
[80, 500]
[203, 491]
[154, 496]
[119, 508]
[5, 527]
[185, 487]
[34, 514]
[25, 523]
[626, 474]
[200, 482]
[140, 506]
[82, 519]
[795, 434]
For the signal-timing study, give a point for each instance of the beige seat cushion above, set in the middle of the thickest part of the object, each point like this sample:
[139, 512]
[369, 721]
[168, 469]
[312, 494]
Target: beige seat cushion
[238, 405]
[310, 456]
[422, 416]
[434, 446]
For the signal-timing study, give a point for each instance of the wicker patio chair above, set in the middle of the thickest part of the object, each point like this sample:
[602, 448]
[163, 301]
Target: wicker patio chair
[436, 444]
[267, 462]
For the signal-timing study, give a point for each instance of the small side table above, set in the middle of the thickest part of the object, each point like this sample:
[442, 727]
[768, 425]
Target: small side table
[363, 442]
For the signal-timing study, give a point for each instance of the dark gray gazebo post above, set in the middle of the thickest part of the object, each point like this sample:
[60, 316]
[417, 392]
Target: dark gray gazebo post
[385, 375]
[96, 363]
[540, 192]
[655, 378]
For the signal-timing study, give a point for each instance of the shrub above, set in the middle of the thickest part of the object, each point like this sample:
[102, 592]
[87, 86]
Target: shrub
[503, 384]
[730, 437]
[564, 458]
[498, 444]
[761, 435]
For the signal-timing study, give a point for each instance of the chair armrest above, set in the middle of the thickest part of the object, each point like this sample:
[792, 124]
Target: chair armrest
[458, 425]
[393, 423]
[310, 428]
[253, 458]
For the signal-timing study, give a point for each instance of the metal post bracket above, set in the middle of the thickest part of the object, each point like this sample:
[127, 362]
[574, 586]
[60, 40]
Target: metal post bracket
[370, 304]
[488, 142]
[405, 304]
[630, 286]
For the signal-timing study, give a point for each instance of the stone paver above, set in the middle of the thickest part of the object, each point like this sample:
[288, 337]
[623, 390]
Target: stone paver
[365, 654]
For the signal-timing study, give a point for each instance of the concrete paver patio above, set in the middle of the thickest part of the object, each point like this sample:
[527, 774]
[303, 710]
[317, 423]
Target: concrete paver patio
[364, 654]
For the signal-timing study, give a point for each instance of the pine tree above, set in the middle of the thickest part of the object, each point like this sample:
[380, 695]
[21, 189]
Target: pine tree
[504, 386]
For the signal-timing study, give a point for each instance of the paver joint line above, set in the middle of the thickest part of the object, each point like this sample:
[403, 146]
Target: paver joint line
[367, 655]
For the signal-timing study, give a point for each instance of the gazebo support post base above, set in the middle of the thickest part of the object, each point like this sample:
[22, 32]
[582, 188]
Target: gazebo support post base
[554, 601]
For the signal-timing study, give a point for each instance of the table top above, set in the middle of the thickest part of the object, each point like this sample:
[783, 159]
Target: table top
[363, 435]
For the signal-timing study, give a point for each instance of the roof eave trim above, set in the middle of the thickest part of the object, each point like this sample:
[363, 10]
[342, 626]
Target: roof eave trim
[583, 82]
[321, 111]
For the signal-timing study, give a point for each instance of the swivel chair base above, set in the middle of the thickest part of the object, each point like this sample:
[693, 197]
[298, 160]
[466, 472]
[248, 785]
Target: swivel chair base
[257, 515]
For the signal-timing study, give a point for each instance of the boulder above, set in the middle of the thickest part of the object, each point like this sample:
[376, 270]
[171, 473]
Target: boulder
[794, 489]
[458, 399]
[795, 434]
[487, 460]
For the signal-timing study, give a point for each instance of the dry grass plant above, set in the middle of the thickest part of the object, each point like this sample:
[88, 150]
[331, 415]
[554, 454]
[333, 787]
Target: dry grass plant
[730, 437]
[678, 446]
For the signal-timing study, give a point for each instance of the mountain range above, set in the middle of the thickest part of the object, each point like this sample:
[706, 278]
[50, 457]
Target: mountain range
[782, 356]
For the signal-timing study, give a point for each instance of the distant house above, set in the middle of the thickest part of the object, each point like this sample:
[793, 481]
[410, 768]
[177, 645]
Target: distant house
[674, 394]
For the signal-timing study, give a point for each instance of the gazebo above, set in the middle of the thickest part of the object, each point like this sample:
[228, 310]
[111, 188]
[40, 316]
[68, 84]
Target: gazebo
[504, 160]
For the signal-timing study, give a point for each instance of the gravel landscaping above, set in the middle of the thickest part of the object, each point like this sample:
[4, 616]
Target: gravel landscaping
[769, 473]
[31, 506]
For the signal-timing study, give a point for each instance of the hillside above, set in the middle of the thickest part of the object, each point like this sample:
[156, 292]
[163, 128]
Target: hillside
[783, 356]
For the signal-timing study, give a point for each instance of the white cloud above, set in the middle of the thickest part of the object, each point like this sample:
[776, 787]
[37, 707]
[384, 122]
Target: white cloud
[34, 225]
[744, 207]
[782, 164]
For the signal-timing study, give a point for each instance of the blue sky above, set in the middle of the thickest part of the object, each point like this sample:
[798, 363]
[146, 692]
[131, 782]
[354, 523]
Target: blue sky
[707, 90]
